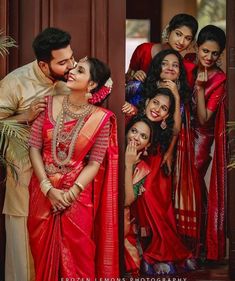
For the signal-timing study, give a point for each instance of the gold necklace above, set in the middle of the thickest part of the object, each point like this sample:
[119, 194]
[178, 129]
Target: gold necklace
[76, 106]
[87, 108]
[63, 143]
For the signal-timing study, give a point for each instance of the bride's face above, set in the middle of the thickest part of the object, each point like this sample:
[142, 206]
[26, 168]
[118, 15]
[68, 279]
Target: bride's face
[79, 77]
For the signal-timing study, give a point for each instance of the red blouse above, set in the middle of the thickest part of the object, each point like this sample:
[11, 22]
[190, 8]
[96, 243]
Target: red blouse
[97, 152]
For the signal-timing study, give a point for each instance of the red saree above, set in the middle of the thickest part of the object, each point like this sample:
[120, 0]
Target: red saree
[214, 188]
[82, 241]
[131, 252]
[187, 195]
[156, 217]
[142, 57]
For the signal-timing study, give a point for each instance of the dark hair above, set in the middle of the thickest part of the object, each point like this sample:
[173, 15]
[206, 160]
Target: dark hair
[142, 118]
[212, 33]
[99, 71]
[155, 70]
[48, 40]
[183, 20]
[162, 137]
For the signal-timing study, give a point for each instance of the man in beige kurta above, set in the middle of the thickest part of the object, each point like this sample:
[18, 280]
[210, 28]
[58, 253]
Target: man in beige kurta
[22, 95]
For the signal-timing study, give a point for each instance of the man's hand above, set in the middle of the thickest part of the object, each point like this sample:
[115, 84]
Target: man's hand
[36, 107]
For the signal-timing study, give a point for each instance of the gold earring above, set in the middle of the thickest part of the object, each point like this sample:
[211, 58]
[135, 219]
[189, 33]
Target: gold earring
[219, 62]
[163, 124]
[145, 153]
[88, 95]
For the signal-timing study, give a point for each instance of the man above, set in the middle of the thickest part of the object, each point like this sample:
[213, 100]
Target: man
[22, 99]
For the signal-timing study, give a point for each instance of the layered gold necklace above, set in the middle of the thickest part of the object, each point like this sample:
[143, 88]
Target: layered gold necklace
[63, 141]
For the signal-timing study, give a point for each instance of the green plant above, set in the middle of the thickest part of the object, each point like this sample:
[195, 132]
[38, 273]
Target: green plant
[6, 42]
[12, 134]
[13, 143]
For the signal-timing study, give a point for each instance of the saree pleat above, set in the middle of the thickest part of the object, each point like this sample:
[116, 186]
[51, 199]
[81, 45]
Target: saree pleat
[187, 194]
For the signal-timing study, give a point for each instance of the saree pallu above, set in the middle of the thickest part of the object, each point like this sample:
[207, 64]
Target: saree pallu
[215, 188]
[155, 215]
[131, 251]
[81, 241]
[186, 188]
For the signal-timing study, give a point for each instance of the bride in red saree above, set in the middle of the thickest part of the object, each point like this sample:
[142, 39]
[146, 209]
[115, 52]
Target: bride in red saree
[73, 215]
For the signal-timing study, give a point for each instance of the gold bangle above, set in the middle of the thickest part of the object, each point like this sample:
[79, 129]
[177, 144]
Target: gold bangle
[72, 195]
[45, 186]
[78, 184]
[78, 188]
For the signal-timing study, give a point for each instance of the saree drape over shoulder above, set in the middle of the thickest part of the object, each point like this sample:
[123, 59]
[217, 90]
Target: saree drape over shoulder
[81, 241]
[142, 57]
[210, 148]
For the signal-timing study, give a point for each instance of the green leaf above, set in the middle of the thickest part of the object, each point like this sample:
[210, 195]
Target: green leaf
[6, 42]
[13, 143]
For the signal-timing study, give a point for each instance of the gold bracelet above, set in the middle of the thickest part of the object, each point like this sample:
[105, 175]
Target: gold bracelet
[78, 188]
[72, 195]
[45, 186]
[79, 185]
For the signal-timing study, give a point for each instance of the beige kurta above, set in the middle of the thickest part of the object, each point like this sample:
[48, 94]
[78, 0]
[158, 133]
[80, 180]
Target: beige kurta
[17, 90]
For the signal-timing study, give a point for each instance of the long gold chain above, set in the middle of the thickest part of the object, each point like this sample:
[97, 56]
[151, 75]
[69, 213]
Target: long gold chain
[60, 137]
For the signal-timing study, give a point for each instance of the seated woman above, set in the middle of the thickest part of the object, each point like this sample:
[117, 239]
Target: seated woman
[153, 210]
[139, 139]
[73, 184]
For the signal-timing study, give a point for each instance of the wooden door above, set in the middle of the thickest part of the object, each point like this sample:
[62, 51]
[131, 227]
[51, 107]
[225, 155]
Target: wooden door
[231, 105]
[146, 9]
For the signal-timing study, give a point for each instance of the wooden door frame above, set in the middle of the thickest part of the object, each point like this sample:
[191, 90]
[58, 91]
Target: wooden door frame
[230, 19]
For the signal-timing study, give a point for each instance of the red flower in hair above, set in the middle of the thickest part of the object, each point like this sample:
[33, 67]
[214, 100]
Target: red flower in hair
[103, 92]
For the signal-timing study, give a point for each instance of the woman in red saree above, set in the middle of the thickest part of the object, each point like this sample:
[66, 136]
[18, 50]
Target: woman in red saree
[139, 138]
[178, 35]
[73, 217]
[209, 137]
